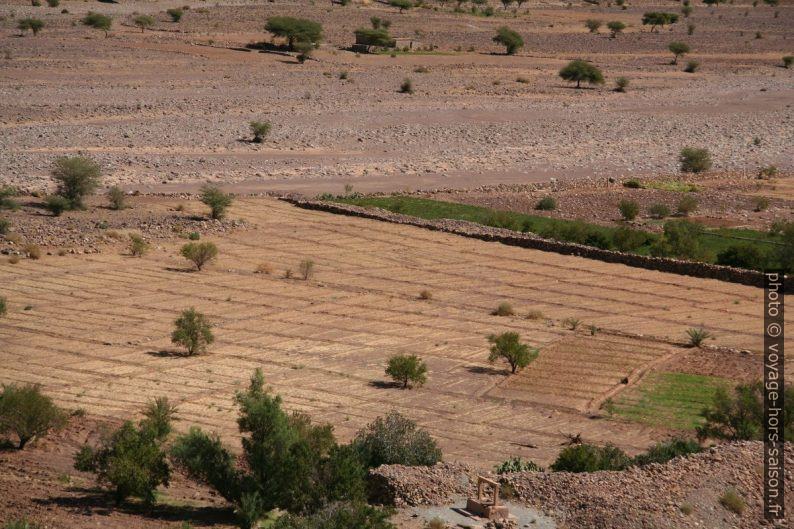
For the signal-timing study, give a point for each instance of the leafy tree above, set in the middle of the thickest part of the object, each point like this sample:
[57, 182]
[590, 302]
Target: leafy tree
[117, 198]
[681, 239]
[743, 256]
[402, 5]
[260, 129]
[374, 37]
[143, 22]
[76, 177]
[206, 460]
[295, 30]
[26, 413]
[508, 38]
[615, 27]
[193, 331]
[739, 415]
[678, 49]
[98, 21]
[579, 70]
[395, 440]
[407, 369]
[656, 19]
[626, 240]
[629, 209]
[216, 199]
[357, 515]
[590, 458]
[131, 462]
[664, 451]
[200, 253]
[694, 160]
[507, 346]
[56, 204]
[593, 24]
[175, 14]
[33, 24]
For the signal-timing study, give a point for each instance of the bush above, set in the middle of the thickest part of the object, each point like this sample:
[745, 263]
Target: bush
[216, 199]
[516, 464]
[7, 194]
[681, 238]
[508, 38]
[743, 256]
[616, 27]
[117, 198]
[407, 369]
[340, 516]
[395, 440]
[732, 501]
[53, 3]
[20, 523]
[138, 246]
[593, 25]
[621, 83]
[33, 24]
[26, 413]
[655, 19]
[374, 37]
[590, 458]
[3, 307]
[579, 70]
[629, 209]
[571, 323]
[76, 177]
[143, 22]
[664, 451]
[692, 66]
[131, 462]
[694, 160]
[407, 87]
[659, 211]
[507, 346]
[739, 415]
[687, 205]
[786, 252]
[678, 49]
[98, 21]
[33, 251]
[697, 336]
[295, 30]
[504, 309]
[426, 295]
[632, 184]
[5, 224]
[199, 253]
[760, 203]
[547, 203]
[260, 129]
[56, 204]
[626, 240]
[193, 331]
[175, 14]
[501, 219]
[306, 269]
[788, 60]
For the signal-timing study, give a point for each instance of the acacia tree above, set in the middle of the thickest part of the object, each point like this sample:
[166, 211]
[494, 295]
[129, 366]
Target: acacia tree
[507, 346]
[615, 27]
[98, 21]
[295, 30]
[76, 177]
[678, 49]
[508, 38]
[33, 24]
[656, 19]
[193, 331]
[407, 369]
[143, 22]
[216, 199]
[579, 70]
[26, 413]
[593, 25]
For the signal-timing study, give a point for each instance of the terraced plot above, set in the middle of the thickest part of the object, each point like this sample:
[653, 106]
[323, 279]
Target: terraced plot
[97, 335]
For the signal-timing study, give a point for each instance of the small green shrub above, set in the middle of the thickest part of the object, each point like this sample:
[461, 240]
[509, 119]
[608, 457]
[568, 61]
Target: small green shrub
[143, 22]
[615, 27]
[692, 66]
[571, 323]
[56, 204]
[306, 269]
[579, 70]
[632, 184]
[98, 21]
[686, 508]
[175, 14]
[503, 309]
[193, 331]
[199, 253]
[698, 336]
[27, 414]
[694, 160]
[138, 246]
[508, 38]
[76, 177]
[626, 240]
[20, 523]
[407, 87]
[260, 129]
[407, 370]
[678, 49]
[732, 501]
[426, 295]
[593, 25]
[664, 451]
[629, 209]
[5, 224]
[3, 307]
[216, 199]
[516, 464]
[621, 83]
[788, 61]
[395, 440]
[760, 203]
[590, 458]
[117, 198]
[660, 211]
[33, 24]
[687, 205]
[547, 203]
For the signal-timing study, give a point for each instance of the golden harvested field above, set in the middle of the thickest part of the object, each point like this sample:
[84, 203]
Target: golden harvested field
[97, 333]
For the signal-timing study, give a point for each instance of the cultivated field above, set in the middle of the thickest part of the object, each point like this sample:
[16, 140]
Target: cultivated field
[94, 329]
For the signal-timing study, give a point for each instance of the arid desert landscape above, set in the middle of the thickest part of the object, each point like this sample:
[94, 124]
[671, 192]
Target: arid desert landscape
[300, 264]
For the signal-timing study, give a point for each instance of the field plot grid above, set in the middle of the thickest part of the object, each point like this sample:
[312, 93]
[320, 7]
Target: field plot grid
[94, 330]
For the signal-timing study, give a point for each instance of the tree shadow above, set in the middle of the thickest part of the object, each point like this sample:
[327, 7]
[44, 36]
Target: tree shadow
[165, 353]
[482, 370]
[183, 270]
[383, 384]
[92, 502]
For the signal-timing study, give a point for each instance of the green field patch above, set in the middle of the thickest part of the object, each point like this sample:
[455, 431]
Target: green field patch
[670, 400]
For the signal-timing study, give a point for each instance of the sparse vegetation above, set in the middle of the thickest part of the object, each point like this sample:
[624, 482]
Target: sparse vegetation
[426, 295]
[732, 501]
[193, 331]
[571, 323]
[516, 464]
[665, 451]
[260, 129]
[508, 347]
[216, 199]
[138, 245]
[306, 268]
[33, 24]
[199, 253]
[117, 198]
[56, 204]
[503, 309]
[7, 194]
[738, 415]
[407, 370]
[788, 61]
[687, 205]
[579, 70]
[659, 211]
[26, 413]
[3, 307]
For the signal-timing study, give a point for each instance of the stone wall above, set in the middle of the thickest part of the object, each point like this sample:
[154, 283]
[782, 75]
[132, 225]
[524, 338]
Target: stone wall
[532, 241]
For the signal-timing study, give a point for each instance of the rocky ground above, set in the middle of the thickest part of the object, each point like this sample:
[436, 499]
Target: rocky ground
[684, 492]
